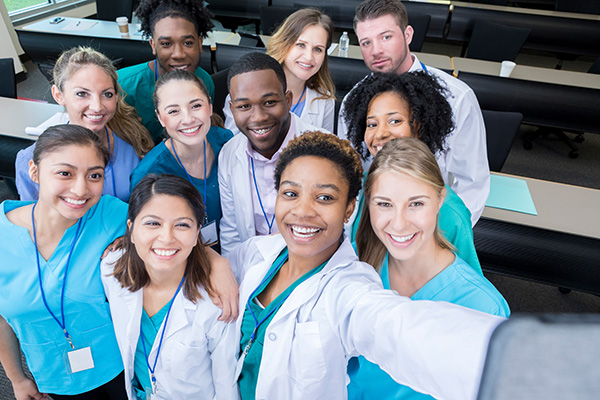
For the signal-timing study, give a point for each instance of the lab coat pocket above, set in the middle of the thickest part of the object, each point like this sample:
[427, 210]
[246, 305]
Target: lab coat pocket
[187, 362]
[307, 353]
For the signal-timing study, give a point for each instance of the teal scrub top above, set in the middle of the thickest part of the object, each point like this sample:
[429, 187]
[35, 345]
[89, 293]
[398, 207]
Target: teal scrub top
[454, 220]
[160, 161]
[86, 311]
[137, 81]
[460, 284]
[249, 376]
[150, 328]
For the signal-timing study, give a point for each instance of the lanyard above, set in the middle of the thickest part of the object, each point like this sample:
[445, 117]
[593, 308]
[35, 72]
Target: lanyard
[257, 323]
[269, 224]
[190, 178]
[424, 67]
[62, 292]
[153, 368]
[110, 163]
[298, 102]
[155, 70]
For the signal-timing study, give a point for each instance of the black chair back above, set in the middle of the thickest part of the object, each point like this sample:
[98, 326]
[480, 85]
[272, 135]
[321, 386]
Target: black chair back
[109, 10]
[595, 68]
[496, 42]
[578, 6]
[272, 17]
[227, 54]
[550, 357]
[501, 129]
[221, 92]
[8, 82]
[346, 72]
[420, 24]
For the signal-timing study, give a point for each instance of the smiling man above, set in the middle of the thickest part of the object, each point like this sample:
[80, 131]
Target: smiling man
[175, 29]
[384, 37]
[260, 104]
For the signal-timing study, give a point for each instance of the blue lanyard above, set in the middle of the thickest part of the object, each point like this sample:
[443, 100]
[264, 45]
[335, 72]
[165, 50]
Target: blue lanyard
[110, 163]
[153, 368]
[257, 323]
[298, 102]
[424, 67]
[62, 292]
[190, 178]
[155, 70]
[270, 225]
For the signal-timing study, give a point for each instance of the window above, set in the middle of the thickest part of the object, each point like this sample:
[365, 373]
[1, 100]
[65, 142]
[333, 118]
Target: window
[18, 9]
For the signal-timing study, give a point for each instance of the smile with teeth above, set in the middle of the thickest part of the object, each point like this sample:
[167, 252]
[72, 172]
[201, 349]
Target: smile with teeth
[94, 117]
[261, 131]
[74, 202]
[304, 231]
[304, 65]
[190, 130]
[402, 239]
[179, 67]
[164, 252]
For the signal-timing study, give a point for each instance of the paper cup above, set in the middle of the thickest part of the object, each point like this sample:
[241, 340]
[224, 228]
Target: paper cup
[123, 25]
[507, 68]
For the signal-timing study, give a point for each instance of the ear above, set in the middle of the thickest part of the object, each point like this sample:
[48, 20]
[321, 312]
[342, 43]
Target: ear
[33, 172]
[58, 95]
[442, 198]
[408, 34]
[159, 118]
[200, 41]
[152, 44]
[129, 225]
[289, 97]
[349, 210]
[211, 108]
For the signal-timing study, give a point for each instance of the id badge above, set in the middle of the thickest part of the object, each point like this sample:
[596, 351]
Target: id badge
[80, 359]
[239, 366]
[209, 233]
[149, 394]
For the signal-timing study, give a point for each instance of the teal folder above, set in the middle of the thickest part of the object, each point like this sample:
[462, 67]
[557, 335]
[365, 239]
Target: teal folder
[510, 194]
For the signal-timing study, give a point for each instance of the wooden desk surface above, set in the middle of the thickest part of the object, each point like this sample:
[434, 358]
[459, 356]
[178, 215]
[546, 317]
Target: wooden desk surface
[525, 72]
[16, 115]
[104, 29]
[562, 208]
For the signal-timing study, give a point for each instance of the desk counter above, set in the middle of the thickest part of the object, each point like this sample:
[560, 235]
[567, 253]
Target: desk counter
[16, 115]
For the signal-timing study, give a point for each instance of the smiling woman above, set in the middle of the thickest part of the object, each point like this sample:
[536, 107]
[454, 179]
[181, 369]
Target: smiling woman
[309, 304]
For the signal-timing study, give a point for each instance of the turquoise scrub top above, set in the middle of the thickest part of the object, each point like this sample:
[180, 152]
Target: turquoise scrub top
[460, 284]
[249, 376]
[454, 220]
[137, 81]
[160, 161]
[150, 328]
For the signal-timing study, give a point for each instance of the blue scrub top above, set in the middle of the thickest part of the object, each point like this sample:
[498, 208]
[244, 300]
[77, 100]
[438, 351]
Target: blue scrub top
[87, 314]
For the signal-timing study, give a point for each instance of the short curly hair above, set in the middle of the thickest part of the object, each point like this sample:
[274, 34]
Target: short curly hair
[430, 113]
[330, 147]
[151, 11]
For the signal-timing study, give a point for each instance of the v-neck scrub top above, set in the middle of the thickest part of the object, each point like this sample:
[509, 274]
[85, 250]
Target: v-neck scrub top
[87, 315]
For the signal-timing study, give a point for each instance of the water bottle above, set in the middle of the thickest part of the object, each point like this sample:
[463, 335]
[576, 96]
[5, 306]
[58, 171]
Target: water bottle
[344, 42]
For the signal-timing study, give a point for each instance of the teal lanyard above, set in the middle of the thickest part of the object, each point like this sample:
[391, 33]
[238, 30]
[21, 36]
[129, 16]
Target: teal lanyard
[269, 224]
[190, 178]
[153, 367]
[62, 292]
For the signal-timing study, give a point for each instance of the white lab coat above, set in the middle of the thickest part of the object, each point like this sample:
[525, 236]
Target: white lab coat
[435, 347]
[319, 113]
[198, 353]
[464, 164]
[237, 222]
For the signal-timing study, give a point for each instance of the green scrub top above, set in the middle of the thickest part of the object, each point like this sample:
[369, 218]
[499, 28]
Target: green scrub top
[249, 376]
[150, 328]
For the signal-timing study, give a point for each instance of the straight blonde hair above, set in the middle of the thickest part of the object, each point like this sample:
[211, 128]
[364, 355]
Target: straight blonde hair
[408, 156]
[286, 36]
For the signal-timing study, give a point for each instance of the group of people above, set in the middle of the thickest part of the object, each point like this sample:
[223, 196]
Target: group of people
[140, 217]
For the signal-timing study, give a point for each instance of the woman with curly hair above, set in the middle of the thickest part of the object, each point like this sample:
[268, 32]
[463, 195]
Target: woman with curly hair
[300, 45]
[85, 83]
[310, 304]
[400, 237]
[176, 29]
[387, 106]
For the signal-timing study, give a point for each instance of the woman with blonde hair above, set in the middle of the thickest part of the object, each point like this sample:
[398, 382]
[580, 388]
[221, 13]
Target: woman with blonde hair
[398, 234]
[300, 45]
[85, 83]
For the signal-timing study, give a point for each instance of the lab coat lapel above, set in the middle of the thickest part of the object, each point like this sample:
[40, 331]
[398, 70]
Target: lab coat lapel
[178, 318]
[133, 302]
[243, 192]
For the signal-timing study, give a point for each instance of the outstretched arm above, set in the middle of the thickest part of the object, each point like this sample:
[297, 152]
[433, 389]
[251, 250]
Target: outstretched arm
[225, 286]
